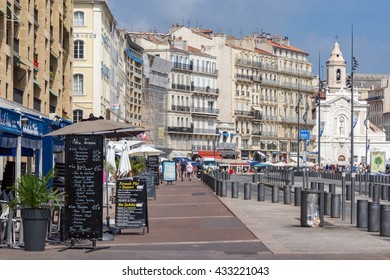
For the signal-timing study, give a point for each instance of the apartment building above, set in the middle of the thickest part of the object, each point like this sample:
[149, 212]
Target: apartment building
[36, 59]
[107, 72]
[191, 104]
[263, 81]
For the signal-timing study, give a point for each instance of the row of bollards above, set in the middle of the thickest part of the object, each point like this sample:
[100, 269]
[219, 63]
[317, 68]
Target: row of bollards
[371, 215]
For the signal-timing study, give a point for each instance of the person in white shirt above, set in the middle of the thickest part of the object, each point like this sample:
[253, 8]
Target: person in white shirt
[190, 170]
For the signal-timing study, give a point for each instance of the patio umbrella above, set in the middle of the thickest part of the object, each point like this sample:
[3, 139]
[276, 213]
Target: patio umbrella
[279, 164]
[110, 158]
[145, 150]
[124, 166]
[93, 125]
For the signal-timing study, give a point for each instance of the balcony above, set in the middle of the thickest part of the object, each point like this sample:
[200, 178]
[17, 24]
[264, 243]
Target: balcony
[205, 131]
[180, 108]
[241, 77]
[240, 113]
[181, 129]
[180, 87]
[227, 145]
[204, 90]
[181, 66]
[205, 110]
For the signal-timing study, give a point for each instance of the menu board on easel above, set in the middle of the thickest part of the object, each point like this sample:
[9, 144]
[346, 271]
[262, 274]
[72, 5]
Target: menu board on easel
[84, 186]
[150, 179]
[131, 209]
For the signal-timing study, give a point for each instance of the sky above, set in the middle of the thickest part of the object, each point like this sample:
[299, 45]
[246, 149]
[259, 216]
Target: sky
[311, 25]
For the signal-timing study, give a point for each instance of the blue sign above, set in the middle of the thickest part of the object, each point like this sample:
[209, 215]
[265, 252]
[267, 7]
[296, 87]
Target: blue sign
[305, 134]
[10, 121]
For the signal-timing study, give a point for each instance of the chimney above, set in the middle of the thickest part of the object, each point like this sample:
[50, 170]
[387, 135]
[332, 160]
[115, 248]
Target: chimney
[286, 41]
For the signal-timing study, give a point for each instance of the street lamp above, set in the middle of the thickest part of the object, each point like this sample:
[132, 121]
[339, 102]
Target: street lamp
[297, 110]
[367, 147]
[354, 65]
[318, 103]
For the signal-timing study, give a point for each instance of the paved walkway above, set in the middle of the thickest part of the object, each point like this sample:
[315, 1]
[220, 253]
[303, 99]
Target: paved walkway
[188, 221]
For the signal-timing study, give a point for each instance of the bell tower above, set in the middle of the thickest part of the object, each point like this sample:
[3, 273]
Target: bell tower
[336, 69]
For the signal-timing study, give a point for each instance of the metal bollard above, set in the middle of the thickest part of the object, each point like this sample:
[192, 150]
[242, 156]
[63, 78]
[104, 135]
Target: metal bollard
[287, 194]
[320, 186]
[234, 190]
[370, 189]
[297, 196]
[224, 189]
[218, 188]
[373, 216]
[247, 191]
[275, 194]
[384, 192]
[362, 213]
[260, 192]
[375, 193]
[348, 194]
[327, 202]
[335, 206]
[385, 220]
[332, 188]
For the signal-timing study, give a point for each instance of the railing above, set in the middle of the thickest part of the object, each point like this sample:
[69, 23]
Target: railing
[205, 110]
[180, 129]
[181, 87]
[181, 108]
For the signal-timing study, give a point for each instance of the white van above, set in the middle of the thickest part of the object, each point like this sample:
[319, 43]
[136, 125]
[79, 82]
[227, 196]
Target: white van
[208, 164]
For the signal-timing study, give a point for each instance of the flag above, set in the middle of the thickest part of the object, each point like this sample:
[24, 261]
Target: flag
[355, 118]
[322, 124]
[143, 136]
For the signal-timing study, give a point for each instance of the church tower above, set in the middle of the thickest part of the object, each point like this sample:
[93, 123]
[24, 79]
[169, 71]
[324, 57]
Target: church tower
[336, 69]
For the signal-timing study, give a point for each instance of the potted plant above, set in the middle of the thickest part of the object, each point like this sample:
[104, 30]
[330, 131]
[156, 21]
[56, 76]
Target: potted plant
[35, 198]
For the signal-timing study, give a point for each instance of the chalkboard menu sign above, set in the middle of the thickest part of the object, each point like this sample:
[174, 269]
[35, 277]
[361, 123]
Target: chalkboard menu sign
[150, 180]
[84, 186]
[153, 164]
[131, 204]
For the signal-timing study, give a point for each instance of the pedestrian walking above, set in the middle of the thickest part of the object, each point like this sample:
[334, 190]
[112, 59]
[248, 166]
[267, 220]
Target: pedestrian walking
[183, 169]
[190, 170]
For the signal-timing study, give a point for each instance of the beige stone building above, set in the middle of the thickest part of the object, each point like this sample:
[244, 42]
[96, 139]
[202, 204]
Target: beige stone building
[35, 55]
[261, 80]
[107, 72]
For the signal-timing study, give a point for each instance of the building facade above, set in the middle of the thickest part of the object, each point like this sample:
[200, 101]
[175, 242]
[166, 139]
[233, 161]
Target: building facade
[107, 76]
[336, 114]
[263, 81]
[36, 58]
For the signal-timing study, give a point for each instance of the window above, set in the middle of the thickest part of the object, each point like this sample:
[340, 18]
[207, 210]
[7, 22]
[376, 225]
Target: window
[78, 19]
[78, 49]
[77, 115]
[78, 84]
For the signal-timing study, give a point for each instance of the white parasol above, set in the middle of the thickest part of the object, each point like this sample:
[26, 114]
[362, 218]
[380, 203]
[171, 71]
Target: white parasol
[124, 167]
[145, 150]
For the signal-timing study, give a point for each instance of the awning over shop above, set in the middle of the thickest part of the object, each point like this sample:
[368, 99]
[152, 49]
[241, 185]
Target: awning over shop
[210, 154]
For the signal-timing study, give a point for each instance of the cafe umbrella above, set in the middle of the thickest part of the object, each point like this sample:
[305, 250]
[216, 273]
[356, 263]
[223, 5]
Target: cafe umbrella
[100, 126]
[144, 151]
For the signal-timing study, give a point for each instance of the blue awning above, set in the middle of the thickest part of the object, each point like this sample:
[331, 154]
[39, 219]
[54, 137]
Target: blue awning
[10, 121]
[31, 142]
[8, 140]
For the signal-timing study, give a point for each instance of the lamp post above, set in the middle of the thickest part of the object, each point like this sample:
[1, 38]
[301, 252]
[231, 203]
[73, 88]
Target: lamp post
[318, 103]
[367, 146]
[354, 65]
[297, 110]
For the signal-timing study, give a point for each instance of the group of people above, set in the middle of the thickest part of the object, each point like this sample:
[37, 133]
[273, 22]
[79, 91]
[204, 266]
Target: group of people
[335, 168]
[186, 169]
